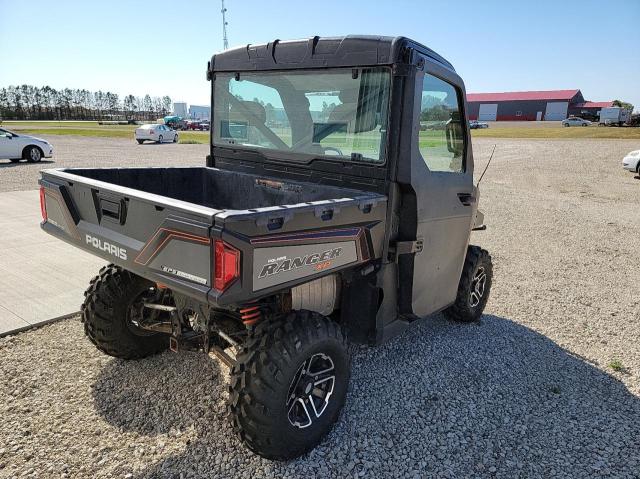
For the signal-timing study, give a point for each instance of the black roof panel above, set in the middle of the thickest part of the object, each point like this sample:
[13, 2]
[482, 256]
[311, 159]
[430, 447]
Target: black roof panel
[320, 52]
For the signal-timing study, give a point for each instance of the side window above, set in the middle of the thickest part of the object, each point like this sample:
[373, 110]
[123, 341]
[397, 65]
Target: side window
[442, 139]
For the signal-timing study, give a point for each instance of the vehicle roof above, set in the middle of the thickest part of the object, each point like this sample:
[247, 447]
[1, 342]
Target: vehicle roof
[320, 52]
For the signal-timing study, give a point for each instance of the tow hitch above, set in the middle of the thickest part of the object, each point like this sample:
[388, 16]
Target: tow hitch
[190, 340]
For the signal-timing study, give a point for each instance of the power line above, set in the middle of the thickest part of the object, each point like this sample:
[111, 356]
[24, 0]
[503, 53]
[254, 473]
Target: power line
[225, 41]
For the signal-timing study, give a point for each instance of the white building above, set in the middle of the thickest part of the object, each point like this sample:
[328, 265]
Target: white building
[199, 112]
[180, 109]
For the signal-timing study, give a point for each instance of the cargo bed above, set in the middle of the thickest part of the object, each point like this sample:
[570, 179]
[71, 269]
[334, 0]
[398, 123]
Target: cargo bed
[162, 223]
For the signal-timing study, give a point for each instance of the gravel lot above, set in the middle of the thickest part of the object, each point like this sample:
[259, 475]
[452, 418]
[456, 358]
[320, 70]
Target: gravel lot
[78, 151]
[546, 386]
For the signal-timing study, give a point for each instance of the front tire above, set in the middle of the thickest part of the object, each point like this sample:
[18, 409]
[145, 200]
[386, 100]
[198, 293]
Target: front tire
[32, 154]
[140, 142]
[175, 138]
[14, 160]
[110, 305]
[289, 384]
[474, 287]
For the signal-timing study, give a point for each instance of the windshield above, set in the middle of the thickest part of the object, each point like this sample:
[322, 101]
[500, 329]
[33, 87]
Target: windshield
[4, 132]
[312, 112]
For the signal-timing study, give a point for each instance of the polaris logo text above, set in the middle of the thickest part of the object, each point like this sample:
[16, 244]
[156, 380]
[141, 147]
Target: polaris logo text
[279, 265]
[107, 247]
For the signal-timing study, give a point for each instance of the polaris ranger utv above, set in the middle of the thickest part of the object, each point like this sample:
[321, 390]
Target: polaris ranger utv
[336, 205]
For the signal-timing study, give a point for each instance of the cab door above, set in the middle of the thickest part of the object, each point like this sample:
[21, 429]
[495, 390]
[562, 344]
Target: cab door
[442, 180]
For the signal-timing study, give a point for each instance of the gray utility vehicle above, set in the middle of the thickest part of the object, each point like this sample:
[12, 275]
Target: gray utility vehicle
[326, 213]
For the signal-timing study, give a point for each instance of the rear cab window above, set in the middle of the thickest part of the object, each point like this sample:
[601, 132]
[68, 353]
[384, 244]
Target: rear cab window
[333, 113]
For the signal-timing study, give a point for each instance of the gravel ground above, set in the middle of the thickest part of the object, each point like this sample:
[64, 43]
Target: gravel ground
[78, 151]
[547, 385]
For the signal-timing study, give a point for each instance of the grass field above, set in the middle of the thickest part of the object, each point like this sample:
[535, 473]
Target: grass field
[91, 129]
[596, 132]
[61, 124]
[509, 130]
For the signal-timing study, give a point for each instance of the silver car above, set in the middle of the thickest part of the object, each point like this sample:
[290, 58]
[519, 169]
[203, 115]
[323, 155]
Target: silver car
[155, 132]
[631, 162]
[575, 121]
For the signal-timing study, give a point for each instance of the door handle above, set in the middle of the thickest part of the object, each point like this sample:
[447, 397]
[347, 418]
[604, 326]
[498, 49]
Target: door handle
[466, 198]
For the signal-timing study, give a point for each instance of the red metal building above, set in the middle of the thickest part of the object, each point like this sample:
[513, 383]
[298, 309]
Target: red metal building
[531, 105]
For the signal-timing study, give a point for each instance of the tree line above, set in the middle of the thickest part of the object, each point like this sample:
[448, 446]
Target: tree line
[622, 104]
[28, 102]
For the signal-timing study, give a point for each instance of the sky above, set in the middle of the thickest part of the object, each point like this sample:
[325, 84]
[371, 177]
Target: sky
[162, 47]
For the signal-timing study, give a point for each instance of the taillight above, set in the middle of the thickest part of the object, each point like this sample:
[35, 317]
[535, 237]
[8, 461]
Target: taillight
[152, 132]
[43, 204]
[226, 265]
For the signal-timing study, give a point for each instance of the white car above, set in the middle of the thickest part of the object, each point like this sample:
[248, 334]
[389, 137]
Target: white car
[155, 132]
[631, 162]
[575, 121]
[16, 147]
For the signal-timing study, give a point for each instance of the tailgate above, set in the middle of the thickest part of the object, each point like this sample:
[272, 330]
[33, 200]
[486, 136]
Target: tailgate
[160, 238]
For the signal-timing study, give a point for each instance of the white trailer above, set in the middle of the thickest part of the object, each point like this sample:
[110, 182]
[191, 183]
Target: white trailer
[614, 116]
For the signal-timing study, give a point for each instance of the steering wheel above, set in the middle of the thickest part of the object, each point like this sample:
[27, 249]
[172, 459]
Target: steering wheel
[338, 151]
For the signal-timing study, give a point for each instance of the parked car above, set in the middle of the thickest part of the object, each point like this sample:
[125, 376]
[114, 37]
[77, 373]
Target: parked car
[631, 162]
[475, 124]
[575, 121]
[198, 125]
[155, 132]
[16, 147]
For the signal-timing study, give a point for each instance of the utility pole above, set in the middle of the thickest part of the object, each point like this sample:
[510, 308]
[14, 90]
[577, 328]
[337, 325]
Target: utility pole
[225, 41]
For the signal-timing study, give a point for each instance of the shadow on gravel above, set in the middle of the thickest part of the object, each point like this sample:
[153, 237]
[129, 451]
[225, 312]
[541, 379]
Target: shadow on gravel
[494, 399]
[158, 395]
[24, 163]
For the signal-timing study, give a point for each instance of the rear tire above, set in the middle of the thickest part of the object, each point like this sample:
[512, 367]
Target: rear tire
[175, 138]
[160, 139]
[32, 154]
[140, 142]
[289, 369]
[14, 160]
[474, 287]
[106, 314]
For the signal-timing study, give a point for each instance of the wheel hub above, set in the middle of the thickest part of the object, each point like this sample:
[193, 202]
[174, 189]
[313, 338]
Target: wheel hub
[310, 390]
[478, 284]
